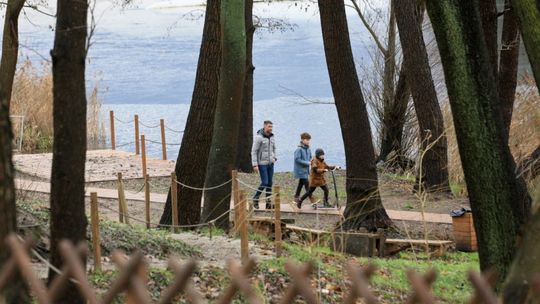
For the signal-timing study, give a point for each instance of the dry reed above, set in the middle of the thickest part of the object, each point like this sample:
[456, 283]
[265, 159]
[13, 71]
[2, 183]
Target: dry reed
[524, 130]
[32, 98]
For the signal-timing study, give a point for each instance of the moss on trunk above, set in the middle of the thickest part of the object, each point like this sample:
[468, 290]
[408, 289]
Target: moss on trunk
[498, 203]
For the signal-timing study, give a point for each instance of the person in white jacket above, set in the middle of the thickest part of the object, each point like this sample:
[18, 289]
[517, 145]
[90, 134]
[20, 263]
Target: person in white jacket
[263, 156]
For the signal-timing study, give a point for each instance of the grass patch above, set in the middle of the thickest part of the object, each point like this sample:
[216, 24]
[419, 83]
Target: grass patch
[451, 286]
[154, 242]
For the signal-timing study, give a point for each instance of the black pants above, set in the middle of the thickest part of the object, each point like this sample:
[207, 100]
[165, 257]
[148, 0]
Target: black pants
[303, 182]
[312, 189]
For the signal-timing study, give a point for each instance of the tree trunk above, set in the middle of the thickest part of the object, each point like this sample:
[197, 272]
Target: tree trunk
[392, 127]
[364, 207]
[193, 155]
[528, 16]
[10, 49]
[227, 120]
[488, 15]
[525, 268]
[68, 219]
[487, 163]
[245, 134]
[508, 66]
[16, 291]
[434, 167]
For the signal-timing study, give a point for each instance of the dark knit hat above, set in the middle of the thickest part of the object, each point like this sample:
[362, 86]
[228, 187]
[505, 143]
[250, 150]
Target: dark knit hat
[319, 152]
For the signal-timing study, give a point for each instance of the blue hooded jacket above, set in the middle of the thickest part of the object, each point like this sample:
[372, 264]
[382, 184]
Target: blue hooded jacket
[302, 160]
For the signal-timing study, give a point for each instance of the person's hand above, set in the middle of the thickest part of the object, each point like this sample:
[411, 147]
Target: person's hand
[325, 170]
[256, 169]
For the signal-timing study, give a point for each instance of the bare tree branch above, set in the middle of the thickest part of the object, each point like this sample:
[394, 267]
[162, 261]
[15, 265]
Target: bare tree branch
[305, 101]
[380, 46]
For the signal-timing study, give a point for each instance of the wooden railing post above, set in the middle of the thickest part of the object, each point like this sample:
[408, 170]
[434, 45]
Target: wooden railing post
[236, 200]
[113, 139]
[94, 221]
[143, 156]
[147, 199]
[243, 218]
[122, 203]
[137, 138]
[174, 202]
[277, 210]
[163, 140]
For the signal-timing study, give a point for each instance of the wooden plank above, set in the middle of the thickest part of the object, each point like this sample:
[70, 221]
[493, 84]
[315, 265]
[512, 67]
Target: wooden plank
[418, 242]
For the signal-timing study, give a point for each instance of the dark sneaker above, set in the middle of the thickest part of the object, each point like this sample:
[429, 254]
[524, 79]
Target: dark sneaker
[326, 205]
[299, 204]
[256, 204]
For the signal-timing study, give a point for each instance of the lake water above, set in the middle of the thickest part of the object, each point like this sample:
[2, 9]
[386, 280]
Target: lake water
[144, 59]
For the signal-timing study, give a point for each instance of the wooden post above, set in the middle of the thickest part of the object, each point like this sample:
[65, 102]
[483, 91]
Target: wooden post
[174, 202]
[113, 139]
[236, 200]
[137, 143]
[277, 210]
[147, 199]
[119, 186]
[163, 141]
[122, 204]
[94, 220]
[244, 249]
[143, 156]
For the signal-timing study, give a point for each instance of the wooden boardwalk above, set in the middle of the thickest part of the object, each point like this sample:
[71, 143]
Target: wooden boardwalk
[44, 187]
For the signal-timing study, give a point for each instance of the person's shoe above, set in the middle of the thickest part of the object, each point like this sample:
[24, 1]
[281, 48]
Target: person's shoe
[299, 204]
[327, 205]
[256, 204]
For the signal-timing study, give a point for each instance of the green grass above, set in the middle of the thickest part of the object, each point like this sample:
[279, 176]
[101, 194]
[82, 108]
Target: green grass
[451, 285]
[390, 280]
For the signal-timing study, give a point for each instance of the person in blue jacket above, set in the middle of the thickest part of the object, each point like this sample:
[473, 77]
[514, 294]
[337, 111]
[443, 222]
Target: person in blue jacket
[302, 160]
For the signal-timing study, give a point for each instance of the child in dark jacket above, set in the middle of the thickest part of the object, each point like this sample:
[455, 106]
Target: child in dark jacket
[302, 161]
[316, 177]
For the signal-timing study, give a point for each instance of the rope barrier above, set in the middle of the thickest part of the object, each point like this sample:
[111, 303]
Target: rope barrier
[172, 226]
[123, 121]
[126, 144]
[159, 142]
[202, 189]
[150, 127]
[173, 130]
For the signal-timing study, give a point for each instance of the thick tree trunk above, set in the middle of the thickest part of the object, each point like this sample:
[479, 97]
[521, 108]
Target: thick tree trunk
[16, 291]
[525, 268]
[528, 16]
[392, 127]
[487, 163]
[193, 155]
[364, 207]
[508, 65]
[434, 167]
[245, 134]
[227, 120]
[68, 219]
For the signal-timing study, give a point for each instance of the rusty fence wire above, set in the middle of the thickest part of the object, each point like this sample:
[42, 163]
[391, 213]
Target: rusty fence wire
[130, 286]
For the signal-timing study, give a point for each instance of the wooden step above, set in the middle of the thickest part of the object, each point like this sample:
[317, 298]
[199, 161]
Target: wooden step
[356, 243]
[440, 246]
